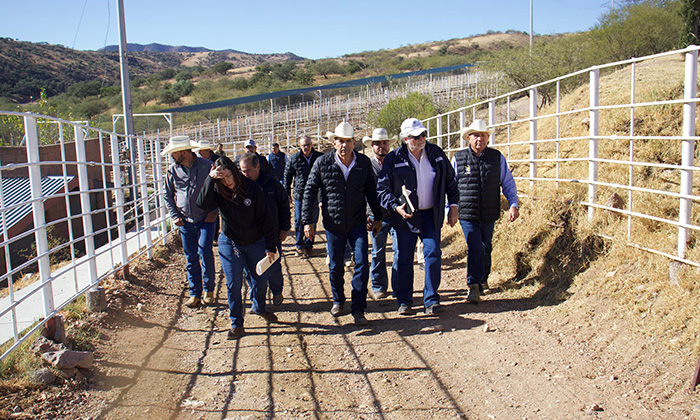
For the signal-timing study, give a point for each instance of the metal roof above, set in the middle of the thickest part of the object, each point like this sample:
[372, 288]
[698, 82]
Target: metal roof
[18, 190]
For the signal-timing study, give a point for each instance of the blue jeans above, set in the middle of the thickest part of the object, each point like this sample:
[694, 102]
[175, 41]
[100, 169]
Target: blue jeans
[336, 242]
[234, 258]
[302, 241]
[197, 241]
[479, 236]
[380, 281]
[402, 269]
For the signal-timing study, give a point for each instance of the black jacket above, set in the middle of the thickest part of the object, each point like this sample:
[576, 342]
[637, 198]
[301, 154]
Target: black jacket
[398, 170]
[277, 201]
[343, 202]
[246, 219]
[479, 182]
[298, 169]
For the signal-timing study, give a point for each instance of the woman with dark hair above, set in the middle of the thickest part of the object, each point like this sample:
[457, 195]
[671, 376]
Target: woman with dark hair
[247, 236]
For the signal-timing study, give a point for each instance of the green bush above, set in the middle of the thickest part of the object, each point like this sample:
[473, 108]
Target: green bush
[398, 109]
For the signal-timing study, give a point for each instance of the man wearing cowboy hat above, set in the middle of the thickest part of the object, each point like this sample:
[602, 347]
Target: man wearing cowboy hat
[481, 173]
[380, 145]
[296, 172]
[345, 182]
[206, 150]
[422, 168]
[183, 182]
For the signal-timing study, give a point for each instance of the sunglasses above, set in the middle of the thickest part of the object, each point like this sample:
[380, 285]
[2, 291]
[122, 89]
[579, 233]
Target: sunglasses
[423, 134]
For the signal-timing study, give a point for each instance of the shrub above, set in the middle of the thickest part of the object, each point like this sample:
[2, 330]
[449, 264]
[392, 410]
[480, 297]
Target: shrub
[398, 109]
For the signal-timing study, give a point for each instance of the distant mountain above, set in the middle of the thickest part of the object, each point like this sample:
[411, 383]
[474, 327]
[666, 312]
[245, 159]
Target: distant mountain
[154, 47]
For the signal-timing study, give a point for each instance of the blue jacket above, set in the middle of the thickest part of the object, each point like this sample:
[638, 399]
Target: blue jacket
[277, 163]
[398, 170]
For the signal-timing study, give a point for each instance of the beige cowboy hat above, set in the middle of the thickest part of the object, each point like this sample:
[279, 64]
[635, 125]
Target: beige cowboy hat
[478, 126]
[379, 134]
[344, 130]
[204, 145]
[178, 143]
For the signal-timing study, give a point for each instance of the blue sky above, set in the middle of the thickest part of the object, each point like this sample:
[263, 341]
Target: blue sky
[309, 28]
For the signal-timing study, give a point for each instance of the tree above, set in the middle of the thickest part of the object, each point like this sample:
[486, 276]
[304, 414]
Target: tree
[690, 14]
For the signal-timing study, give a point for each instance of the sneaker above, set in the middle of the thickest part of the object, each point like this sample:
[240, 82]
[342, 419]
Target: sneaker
[235, 333]
[277, 299]
[337, 309]
[435, 308]
[208, 298]
[193, 302]
[349, 263]
[380, 294]
[359, 318]
[299, 253]
[474, 296]
[405, 309]
[267, 316]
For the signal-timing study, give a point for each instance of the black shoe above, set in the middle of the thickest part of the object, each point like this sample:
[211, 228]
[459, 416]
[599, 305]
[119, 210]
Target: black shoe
[235, 333]
[435, 308]
[359, 318]
[337, 309]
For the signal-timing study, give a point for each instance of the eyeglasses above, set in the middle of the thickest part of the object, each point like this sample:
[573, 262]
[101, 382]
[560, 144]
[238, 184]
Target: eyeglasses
[423, 134]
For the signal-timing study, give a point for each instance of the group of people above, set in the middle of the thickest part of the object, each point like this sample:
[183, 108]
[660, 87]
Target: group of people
[407, 193]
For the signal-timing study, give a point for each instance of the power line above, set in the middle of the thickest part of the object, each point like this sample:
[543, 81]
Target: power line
[79, 22]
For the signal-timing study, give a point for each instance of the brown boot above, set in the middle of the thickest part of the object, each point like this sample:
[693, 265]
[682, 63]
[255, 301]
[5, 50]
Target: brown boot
[208, 298]
[193, 302]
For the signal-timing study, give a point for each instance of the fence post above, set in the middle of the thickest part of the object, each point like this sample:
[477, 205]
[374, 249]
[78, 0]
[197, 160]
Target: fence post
[119, 198]
[143, 181]
[41, 236]
[492, 120]
[533, 136]
[593, 141]
[86, 209]
[438, 121]
[688, 147]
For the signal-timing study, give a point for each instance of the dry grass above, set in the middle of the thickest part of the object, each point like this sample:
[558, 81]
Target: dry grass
[553, 255]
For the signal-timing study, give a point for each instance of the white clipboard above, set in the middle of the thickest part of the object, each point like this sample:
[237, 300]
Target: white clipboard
[265, 263]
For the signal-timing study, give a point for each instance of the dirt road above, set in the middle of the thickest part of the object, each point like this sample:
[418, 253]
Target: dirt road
[501, 359]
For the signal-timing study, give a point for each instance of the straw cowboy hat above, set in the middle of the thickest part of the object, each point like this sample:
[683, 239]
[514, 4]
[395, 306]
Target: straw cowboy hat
[344, 130]
[178, 143]
[379, 134]
[204, 145]
[478, 126]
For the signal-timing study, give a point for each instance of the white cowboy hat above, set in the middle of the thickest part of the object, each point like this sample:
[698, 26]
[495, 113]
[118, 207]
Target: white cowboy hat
[412, 127]
[478, 126]
[178, 143]
[379, 134]
[343, 130]
[205, 144]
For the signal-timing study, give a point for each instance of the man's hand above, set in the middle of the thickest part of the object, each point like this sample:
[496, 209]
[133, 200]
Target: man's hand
[452, 216]
[376, 226]
[270, 256]
[401, 210]
[179, 222]
[309, 231]
[283, 235]
[513, 214]
[211, 217]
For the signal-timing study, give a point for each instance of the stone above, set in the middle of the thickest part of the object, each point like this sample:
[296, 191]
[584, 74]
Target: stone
[43, 376]
[54, 329]
[67, 373]
[64, 359]
[43, 345]
[96, 300]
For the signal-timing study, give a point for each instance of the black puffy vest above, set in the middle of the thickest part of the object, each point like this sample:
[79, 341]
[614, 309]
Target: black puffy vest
[479, 182]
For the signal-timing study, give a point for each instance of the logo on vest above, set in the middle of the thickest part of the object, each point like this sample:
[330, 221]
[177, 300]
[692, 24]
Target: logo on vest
[468, 170]
[247, 202]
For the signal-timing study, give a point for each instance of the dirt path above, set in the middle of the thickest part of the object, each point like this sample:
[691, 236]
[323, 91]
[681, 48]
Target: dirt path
[501, 359]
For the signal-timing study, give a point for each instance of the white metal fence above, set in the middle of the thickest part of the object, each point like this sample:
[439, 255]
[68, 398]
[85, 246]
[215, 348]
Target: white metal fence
[599, 147]
[73, 210]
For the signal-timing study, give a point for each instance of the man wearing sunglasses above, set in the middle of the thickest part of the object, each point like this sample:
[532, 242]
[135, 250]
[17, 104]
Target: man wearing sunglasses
[425, 172]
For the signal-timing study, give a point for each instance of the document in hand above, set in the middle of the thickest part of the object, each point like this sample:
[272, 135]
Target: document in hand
[405, 198]
[265, 263]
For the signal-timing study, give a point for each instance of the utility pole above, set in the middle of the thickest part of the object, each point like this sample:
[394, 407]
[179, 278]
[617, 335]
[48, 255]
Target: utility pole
[531, 27]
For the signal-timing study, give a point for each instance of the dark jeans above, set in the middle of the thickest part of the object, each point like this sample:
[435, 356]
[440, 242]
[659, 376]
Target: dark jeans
[380, 280]
[234, 258]
[302, 242]
[197, 242]
[402, 269]
[479, 236]
[336, 242]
